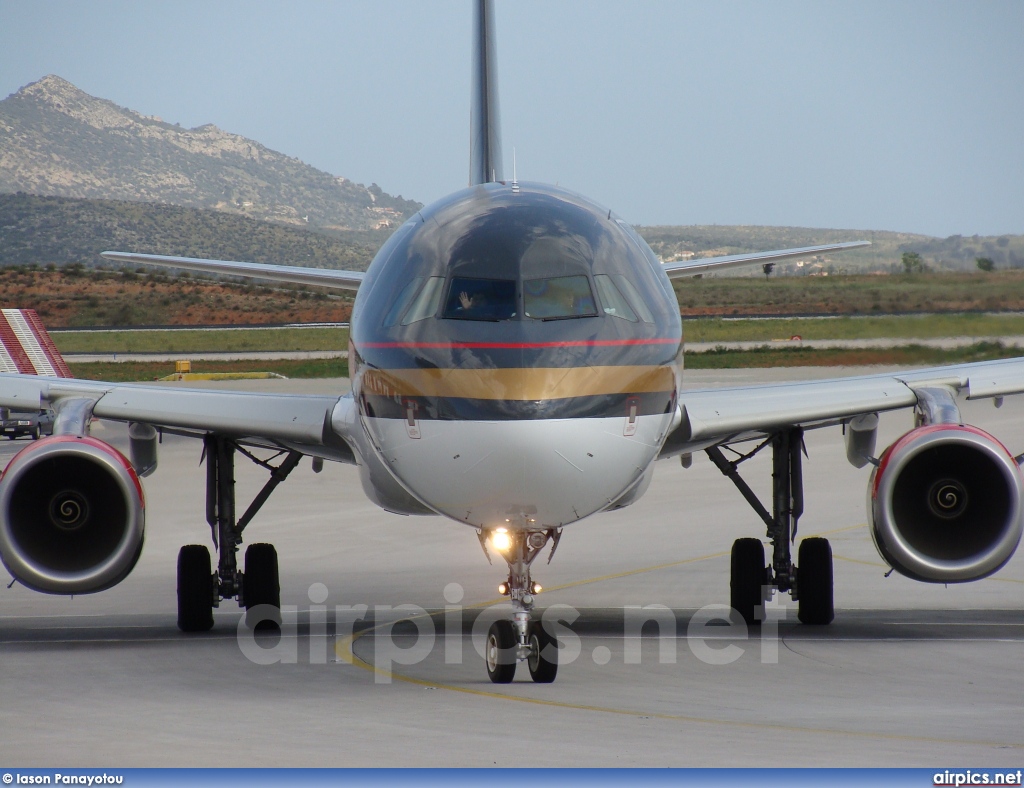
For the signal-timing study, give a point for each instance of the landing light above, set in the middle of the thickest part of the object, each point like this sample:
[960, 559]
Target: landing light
[500, 540]
[536, 588]
[502, 588]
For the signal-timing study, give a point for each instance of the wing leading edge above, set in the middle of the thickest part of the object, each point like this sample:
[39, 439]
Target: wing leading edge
[311, 424]
[351, 280]
[676, 270]
[322, 277]
[716, 416]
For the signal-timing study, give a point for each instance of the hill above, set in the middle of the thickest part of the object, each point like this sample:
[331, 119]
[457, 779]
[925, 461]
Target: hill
[956, 253]
[43, 230]
[58, 140]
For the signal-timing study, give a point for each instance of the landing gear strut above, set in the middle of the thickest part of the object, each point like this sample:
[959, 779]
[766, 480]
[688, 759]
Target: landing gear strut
[199, 588]
[752, 582]
[519, 640]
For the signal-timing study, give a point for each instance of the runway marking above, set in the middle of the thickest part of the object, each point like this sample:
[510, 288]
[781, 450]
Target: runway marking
[886, 567]
[345, 652]
[897, 640]
[618, 575]
[835, 531]
[951, 623]
[49, 641]
[358, 662]
[861, 561]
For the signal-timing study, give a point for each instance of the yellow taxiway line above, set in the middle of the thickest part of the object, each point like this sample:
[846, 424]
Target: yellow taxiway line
[345, 653]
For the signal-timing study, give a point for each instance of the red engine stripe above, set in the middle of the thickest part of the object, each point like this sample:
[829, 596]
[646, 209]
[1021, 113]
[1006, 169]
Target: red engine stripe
[90, 441]
[906, 438]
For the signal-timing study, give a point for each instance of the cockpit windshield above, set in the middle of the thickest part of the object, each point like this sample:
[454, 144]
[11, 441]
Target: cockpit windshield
[621, 299]
[426, 301]
[481, 299]
[557, 298]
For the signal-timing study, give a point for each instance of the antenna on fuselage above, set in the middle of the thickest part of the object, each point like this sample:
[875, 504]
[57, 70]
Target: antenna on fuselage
[484, 122]
[515, 181]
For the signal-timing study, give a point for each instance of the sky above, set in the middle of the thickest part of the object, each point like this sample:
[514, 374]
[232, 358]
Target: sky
[895, 115]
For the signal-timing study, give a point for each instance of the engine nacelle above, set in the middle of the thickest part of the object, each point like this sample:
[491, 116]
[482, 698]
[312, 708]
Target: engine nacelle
[72, 516]
[945, 504]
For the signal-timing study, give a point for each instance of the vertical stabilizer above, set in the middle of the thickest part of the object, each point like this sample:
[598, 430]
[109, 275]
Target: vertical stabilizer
[26, 347]
[484, 123]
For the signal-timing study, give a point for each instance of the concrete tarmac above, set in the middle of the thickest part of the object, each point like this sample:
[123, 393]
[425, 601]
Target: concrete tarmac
[909, 674]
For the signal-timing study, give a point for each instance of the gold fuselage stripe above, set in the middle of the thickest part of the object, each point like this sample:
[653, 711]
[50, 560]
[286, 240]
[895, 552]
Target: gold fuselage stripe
[527, 383]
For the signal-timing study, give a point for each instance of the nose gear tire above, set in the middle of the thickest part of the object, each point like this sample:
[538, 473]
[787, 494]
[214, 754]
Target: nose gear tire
[543, 659]
[501, 652]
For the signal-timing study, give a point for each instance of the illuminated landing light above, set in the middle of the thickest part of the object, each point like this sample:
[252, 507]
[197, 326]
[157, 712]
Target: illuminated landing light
[503, 588]
[500, 540]
[536, 588]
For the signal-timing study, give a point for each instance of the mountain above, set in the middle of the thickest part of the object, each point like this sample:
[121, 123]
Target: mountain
[36, 230]
[57, 140]
[956, 253]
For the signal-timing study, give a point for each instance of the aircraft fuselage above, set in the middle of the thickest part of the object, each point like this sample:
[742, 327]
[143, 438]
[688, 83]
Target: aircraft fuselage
[516, 357]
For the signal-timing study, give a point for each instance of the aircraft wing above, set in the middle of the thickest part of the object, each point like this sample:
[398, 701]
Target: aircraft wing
[310, 424]
[296, 274]
[681, 268]
[350, 280]
[724, 415]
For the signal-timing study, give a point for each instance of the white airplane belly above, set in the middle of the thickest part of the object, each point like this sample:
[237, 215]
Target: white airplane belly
[519, 473]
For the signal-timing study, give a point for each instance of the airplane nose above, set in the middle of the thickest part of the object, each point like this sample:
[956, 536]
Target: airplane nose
[523, 473]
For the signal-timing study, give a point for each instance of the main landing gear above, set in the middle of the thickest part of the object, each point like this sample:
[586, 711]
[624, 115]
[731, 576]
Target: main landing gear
[521, 639]
[200, 589]
[752, 582]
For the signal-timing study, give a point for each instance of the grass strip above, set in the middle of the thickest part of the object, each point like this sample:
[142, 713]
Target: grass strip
[124, 371]
[905, 355]
[192, 341]
[932, 326]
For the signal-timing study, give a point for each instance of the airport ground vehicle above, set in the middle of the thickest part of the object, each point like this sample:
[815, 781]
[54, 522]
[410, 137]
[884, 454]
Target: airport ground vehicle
[17, 424]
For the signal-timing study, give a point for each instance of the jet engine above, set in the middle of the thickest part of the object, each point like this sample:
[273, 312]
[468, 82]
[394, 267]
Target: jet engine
[72, 516]
[945, 504]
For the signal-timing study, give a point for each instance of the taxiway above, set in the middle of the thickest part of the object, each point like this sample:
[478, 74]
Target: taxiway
[908, 675]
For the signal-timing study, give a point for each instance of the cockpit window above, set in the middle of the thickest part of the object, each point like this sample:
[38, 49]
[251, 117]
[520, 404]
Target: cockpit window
[629, 290]
[402, 302]
[612, 300]
[558, 298]
[426, 302]
[481, 299]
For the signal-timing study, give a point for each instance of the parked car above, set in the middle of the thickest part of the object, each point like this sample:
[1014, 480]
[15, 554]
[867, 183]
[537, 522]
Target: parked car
[14, 423]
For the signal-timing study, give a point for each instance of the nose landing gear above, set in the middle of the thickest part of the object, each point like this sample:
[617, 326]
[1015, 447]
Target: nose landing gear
[521, 639]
